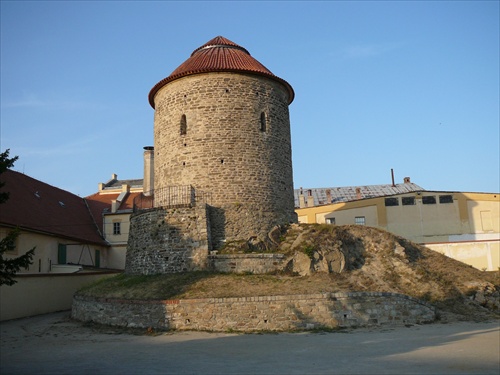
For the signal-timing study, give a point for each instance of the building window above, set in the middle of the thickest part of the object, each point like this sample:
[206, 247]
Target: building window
[431, 199]
[359, 220]
[61, 253]
[98, 258]
[446, 199]
[330, 220]
[183, 125]
[263, 122]
[117, 228]
[408, 201]
[391, 201]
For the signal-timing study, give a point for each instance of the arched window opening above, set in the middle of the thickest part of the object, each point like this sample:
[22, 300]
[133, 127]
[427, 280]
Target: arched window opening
[183, 125]
[263, 122]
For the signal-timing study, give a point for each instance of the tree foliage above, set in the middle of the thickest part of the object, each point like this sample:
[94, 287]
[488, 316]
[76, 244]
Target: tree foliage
[9, 267]
[5, 163]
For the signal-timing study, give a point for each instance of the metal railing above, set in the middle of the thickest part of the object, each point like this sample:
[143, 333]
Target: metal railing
[171, 197]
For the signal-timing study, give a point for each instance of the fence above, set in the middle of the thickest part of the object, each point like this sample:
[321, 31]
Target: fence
[171, 197]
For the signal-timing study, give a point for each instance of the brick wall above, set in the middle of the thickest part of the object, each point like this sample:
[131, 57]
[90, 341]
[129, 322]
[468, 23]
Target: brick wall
[265, 313]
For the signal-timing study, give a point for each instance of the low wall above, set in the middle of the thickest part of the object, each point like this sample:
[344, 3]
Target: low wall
[169, 240]
[35, 294]
[269, 313]
[242, 263]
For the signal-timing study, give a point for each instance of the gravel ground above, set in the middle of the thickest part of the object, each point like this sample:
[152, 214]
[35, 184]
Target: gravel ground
[55, 344]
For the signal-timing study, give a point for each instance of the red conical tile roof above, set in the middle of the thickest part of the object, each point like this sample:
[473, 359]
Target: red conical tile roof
[219, 55]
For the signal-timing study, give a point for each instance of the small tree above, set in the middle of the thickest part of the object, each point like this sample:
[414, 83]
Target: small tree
[9, 267]
[5, 163]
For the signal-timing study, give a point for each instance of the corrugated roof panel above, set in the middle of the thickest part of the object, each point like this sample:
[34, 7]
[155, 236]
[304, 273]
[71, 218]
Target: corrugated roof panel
[350, 193]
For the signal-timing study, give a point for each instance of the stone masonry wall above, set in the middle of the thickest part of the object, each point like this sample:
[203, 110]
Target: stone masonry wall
[168, 241]
[246, 263]
[236, 146]
[267, 313]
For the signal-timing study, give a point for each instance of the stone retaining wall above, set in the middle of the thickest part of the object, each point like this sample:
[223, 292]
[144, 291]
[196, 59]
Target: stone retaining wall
[243, 263]
[267, 313]
[169, 240]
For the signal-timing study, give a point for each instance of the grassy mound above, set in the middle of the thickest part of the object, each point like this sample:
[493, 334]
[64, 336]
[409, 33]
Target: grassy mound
[376, 260]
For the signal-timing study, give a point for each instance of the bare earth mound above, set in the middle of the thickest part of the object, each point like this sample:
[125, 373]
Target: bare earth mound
[335, 259]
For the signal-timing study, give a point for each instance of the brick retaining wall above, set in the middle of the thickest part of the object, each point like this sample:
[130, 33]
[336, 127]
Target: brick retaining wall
[265, 313]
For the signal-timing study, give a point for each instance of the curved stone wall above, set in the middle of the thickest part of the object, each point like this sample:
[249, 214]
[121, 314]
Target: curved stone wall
[168, 240]
[228, 134]
[265, 313]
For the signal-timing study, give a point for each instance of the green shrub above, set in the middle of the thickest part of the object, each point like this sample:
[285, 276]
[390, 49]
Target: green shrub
[309, 251]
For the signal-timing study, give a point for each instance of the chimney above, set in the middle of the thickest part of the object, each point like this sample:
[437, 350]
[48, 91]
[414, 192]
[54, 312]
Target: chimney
[148, 183]
[310, 199]
[328, 196]
[302, 201]
[392, 175]
[358, 193]
[114, 176]
[407, 180]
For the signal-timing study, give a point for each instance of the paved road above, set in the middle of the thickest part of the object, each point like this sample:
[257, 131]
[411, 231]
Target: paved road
[53, 344]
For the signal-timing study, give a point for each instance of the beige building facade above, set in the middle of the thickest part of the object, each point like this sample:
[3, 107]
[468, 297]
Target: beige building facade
[464, 226]
[54, 221]
[55, 254]
[111, 207]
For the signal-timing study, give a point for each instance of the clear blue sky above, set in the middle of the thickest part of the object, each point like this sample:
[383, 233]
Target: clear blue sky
[412, 86]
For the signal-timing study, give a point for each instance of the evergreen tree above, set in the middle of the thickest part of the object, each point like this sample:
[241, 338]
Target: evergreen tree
[9, 267]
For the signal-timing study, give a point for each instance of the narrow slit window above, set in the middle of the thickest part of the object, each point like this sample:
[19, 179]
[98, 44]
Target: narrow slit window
[183, 125]
[263, 122]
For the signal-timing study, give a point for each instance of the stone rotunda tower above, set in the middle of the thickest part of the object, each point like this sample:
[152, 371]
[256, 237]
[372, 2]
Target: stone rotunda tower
[222, 161]
[222, 126]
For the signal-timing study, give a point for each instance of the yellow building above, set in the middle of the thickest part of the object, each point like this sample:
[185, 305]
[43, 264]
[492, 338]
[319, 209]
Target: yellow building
[463, 226]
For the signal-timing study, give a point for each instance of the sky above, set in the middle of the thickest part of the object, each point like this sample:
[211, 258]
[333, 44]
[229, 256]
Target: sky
[411, 86]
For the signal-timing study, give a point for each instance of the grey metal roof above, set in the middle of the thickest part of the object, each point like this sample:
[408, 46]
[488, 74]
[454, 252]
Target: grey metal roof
[116, 184]
[349, 193]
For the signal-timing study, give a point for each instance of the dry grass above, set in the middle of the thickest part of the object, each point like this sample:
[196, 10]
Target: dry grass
[372, 265]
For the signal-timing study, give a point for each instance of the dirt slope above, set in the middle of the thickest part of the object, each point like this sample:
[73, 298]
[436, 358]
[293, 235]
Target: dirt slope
[376, 260]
